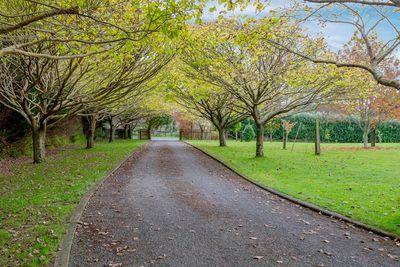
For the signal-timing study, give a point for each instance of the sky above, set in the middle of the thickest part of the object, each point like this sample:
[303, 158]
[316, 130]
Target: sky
[336, 35]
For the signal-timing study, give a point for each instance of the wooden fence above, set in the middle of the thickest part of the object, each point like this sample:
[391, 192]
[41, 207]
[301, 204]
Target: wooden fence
[197, 135]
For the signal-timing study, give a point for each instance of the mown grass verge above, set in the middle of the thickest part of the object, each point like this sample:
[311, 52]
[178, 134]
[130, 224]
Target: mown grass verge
[37, 200]
[362, 184]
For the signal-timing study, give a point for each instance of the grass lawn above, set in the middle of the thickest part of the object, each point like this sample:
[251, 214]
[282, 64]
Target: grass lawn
[361, 184]
[36, 201]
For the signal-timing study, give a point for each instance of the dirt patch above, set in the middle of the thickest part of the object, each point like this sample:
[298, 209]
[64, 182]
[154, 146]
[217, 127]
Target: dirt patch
[7, 166]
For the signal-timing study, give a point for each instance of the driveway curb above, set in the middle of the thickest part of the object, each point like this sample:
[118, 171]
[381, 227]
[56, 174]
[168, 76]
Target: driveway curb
[302, 203]
[62, 257]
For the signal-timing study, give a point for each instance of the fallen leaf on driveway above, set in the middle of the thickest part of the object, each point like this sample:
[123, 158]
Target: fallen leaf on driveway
[253, 238]
[161, 257]
[325, 252]
[393, 257]
[258, 257]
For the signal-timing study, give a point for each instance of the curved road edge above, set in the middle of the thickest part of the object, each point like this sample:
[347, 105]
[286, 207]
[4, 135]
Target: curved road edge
[301, 202]
[63, 254]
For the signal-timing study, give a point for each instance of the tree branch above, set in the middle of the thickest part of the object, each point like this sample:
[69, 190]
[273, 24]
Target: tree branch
[56, 12]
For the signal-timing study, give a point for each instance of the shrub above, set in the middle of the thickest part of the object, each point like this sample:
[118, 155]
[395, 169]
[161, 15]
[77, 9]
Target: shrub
[333, 129]
[248, 133]
[336, 129]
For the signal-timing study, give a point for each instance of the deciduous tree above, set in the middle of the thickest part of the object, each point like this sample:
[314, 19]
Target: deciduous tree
[267, 81]
[367, 18]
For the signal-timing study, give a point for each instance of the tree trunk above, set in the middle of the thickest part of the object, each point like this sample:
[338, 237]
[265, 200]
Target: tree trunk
[373, 137]
[126, 128]
[91, 131]
[129, 132]
[222, 137]
[112, 131]
[270, 137]
[259, 140]
[317, 139]
[89, 141]
[284, 138]
[39, 142]
[201, 132]
[365, 137]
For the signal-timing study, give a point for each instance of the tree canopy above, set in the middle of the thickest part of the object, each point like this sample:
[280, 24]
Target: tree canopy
[128, 61]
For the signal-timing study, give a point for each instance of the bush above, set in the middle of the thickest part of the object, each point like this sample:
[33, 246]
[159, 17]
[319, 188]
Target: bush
[337, 130]
[248, 133]
[333, 129]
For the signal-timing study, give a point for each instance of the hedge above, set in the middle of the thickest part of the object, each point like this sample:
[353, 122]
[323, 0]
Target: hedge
[332, 129]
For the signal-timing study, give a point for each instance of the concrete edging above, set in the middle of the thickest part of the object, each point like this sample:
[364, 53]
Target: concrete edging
[301, 202]
[62, 256]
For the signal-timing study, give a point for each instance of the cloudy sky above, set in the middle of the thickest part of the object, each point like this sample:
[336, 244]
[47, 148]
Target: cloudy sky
[336, 35]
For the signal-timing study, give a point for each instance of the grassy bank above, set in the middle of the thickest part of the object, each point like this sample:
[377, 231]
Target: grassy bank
[361, 184]
[37, 200]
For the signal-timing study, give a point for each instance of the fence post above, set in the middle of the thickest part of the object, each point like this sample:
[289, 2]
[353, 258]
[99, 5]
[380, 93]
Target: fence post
[317, 138]
[284, 138]
[295, 139]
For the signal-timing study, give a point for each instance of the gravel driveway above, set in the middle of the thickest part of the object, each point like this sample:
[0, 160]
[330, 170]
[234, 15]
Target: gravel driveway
[174, 206]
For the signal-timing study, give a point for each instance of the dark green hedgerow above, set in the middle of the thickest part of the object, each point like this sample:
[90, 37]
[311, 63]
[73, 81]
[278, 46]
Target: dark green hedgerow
[332, 129]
